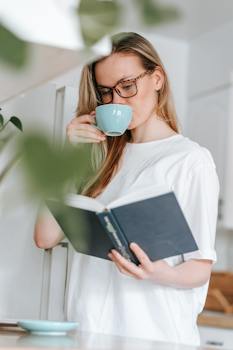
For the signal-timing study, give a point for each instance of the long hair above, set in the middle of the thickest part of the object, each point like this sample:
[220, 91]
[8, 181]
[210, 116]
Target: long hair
[106, 156]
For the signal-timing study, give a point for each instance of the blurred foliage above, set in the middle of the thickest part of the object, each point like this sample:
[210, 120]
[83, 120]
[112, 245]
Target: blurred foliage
[73, 221]
[154, 13]
[52, 170]
[101, 17]
[49, 168]
[97, 18]
[14, 51]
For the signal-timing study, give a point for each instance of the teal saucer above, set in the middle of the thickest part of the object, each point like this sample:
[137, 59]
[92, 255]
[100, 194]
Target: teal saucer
[44, 327]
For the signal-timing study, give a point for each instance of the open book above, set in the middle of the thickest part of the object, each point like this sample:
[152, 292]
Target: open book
[151, 217]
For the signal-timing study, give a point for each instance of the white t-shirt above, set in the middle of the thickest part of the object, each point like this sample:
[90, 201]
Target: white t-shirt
[102, 299]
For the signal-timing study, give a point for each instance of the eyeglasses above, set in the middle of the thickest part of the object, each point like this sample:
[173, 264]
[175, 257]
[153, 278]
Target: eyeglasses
[125, 88]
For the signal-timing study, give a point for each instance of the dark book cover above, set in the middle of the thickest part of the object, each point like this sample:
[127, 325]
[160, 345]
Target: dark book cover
[156, 224]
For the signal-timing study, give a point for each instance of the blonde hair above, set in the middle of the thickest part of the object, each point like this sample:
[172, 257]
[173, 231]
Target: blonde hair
[105, 157]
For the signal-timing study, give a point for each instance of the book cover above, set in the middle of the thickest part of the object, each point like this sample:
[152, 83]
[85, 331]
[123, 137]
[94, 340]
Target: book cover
[152, 219]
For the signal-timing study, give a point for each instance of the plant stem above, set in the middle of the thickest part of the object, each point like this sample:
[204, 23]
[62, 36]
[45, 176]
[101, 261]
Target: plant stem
[8, 167]
[3, 127]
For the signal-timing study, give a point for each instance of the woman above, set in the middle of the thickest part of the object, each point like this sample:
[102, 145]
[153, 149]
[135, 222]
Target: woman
[157, 300]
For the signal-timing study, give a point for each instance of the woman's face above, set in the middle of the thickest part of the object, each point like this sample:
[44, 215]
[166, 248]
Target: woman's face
[119, 66]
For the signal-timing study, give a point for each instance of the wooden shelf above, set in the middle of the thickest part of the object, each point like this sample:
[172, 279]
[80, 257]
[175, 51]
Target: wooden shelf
[215, 319]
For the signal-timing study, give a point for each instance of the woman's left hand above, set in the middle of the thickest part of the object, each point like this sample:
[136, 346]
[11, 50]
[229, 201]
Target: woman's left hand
[147, 269]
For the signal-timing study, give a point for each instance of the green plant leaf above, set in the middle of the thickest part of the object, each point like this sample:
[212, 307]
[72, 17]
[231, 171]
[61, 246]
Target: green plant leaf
[1, 121]
[154, 13]
[14, 51]
[17, 122]
[97, 18]
[50, 169]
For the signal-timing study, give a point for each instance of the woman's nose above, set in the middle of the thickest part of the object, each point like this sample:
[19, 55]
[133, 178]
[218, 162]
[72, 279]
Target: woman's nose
[117, 98]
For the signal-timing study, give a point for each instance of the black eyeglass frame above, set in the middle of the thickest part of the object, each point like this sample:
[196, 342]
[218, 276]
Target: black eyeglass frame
[133, 80]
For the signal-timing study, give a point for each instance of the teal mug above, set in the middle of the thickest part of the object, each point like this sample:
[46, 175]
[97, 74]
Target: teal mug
[113, 118]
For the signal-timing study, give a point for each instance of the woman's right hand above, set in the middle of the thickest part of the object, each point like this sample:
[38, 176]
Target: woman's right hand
[82, 130]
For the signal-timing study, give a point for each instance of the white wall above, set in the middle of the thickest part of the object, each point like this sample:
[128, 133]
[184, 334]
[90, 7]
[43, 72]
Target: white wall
[211, 60]
[175, 57]
[209, 116]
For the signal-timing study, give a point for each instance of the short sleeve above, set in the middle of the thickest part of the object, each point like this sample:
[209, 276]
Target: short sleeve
[200, 207]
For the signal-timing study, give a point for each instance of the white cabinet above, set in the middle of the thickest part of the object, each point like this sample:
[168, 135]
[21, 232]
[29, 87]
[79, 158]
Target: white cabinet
[219, 338]
[54, 282]
[208, 123]
[21, 263]
[33, 281]
[57, 262]
[65, 107]
[228, 190]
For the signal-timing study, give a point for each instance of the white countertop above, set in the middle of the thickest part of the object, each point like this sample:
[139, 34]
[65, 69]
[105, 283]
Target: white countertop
[216, 319]
[83, 341]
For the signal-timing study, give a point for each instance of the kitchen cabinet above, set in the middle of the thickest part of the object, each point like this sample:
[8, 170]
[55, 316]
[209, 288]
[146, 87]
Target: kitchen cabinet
[21, 263]
[208, 124]
[33, 281]
[61, 256]
[228, 190]
[54, 282]
[219, 338]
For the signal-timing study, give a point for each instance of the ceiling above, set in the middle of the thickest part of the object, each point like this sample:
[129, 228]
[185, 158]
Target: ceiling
[198, 17]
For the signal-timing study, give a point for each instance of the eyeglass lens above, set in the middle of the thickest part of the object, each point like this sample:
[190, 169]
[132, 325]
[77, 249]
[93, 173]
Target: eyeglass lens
[124, 89]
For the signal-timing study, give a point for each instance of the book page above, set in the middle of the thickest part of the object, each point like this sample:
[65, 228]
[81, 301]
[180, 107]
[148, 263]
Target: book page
[140, 194]
[83, 202]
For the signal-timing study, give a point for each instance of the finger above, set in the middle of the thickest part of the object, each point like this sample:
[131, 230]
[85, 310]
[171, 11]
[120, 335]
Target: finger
[92, 128]
[119, 267]
[127, 265]
[74, 139]
[141, 255]
[85, 134]
[85, 118]
[88, 129]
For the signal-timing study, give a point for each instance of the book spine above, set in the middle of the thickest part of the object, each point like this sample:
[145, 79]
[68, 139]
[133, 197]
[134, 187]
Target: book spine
[116, 235]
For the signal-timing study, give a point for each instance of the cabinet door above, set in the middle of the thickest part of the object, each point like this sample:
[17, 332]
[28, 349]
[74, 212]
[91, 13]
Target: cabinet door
[218, 338]
[21, 263]
[228, 190]
[59, 258]
[207, 123]
[65, 107]
[54, 284]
